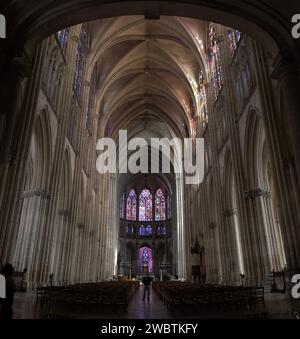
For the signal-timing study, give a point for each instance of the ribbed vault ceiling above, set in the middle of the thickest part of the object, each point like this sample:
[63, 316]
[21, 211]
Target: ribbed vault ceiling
[148, 73]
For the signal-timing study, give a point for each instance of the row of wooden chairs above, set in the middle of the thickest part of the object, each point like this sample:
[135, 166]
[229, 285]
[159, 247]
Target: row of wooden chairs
[84, 299]
[212, 300]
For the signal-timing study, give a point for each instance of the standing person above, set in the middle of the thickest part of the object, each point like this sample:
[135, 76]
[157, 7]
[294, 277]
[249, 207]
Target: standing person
[147, 283]
[24, 281]
[7, 303]
[51, 276]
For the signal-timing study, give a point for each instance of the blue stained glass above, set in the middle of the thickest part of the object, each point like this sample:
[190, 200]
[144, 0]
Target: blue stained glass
[63, 37]
[131, 206]
[214, 60]
[81, 54]
[145, 206]
[130, 230]
[142, 231]
[160, 206]
[161, 230]
[234, 37]
[122, 206]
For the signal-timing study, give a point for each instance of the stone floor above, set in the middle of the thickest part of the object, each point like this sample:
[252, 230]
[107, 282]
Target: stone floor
[24, 306]
[154, 309]
[276, 307]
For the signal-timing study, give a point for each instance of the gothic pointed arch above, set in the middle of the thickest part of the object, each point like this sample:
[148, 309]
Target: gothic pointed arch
[62, 233]
[35, 191]
[259, 176]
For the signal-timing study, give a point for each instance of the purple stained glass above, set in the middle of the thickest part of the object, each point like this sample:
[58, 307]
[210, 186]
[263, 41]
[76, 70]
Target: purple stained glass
[160, 206]
[148, 230]
[142, 231]
[203, 99]
[81, 54]
[63, 37]
[145, 259]
[161, 230]
[131, 206]
[130, 230]
[145, 231]
[122, 206]
[214, 59]
[145, 207]
[234, 37]
[169, 207]
[91, 101]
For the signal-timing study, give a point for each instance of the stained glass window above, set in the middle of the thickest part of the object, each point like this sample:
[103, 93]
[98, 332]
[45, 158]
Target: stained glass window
[91, 100]
[145, 231]
[63, 37]
[149, 230]
[214, 60]
[145, 259]
[142, 231]
[203, 100]
[146, 256]
[161, 230]
[145, 208]
[130, 230]
[234, 37]
[122, 206]
[160, 206]
[131, 205]
[81, 53]
[169, 207]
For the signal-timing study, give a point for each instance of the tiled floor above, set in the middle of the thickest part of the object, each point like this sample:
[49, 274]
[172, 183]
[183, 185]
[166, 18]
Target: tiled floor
[24, 307]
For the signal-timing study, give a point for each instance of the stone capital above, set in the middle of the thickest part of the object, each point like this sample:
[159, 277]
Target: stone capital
[257, 193]
[64, 213]
[230, 212]
[36, 193]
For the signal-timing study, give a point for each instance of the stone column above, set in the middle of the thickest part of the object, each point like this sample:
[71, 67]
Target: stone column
[233, 255]
[246, 234]
[181, 231]
[261, 243]
[19, 139]
[287, 74]
[12, 81]
[105, 231]
[61, 261]
[43, 263]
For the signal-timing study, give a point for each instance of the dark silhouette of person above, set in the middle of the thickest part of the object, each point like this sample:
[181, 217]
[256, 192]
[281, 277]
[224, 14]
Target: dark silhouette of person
[24, 281]
[147, 283]
[51, 276]
[7, 303]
